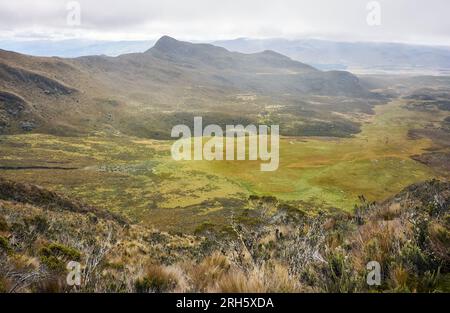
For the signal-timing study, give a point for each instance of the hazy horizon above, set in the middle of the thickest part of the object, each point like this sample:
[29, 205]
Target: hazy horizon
[153, 40]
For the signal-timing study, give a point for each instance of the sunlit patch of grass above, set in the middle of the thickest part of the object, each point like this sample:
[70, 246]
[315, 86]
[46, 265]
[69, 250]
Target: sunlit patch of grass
[334, 173]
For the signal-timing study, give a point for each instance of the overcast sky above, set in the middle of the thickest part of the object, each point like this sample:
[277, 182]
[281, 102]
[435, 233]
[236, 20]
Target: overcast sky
[418, 21]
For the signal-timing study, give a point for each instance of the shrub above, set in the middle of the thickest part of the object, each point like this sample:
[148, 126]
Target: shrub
[157, 237]
[53, 263]
[429, 281]
[444, 283]
[61, 251]
[339, 275]
[413, 257]
[4, 244]
[55, 256]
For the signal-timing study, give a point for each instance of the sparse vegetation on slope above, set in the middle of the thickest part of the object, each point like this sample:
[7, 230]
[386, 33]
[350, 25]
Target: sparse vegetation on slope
[272, 247]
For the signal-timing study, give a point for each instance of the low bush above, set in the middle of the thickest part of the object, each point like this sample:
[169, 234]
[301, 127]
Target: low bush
[55, 256]
[4, 244]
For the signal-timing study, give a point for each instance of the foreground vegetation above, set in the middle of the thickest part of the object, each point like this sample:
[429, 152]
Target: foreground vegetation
[270, 247]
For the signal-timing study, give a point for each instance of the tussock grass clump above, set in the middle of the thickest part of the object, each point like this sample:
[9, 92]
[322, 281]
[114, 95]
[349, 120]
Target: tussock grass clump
[204, 276]
[267, 278]
[157, 279]
[239, 282]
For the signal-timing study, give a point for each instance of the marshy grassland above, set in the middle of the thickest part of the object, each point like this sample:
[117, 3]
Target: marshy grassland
[137, 177]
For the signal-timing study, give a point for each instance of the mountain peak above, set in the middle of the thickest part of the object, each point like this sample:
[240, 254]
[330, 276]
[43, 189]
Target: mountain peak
[168, 44]
[171, 46]
[166, 41]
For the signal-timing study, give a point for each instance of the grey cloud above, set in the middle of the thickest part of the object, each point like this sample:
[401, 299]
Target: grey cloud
[402, 20]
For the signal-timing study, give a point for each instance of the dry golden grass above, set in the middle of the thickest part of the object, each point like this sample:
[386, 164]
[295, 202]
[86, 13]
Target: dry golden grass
[377, 240]
[260, 279]
[440, 240]
[237, 282]
[205, 275]
[399, 278]
[278, 279]
[157, 279]
[389, 212]
[181, 278]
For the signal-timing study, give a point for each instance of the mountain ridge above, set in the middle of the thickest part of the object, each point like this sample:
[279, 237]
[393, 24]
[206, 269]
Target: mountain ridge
[172, 76]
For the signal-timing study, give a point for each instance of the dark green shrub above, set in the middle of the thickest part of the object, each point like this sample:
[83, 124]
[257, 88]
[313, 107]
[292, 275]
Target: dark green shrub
[53, 263]
[61, 251]
[429, 281]
[413, 257]
[340, 276]
[4, 244]
[55, 256]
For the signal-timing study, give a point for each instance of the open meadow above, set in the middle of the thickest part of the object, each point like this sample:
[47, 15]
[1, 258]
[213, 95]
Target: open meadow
[137, 177]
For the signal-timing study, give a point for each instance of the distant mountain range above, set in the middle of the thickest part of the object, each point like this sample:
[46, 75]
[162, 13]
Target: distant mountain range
[359, 57]
[353, 56]
[74, 47]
